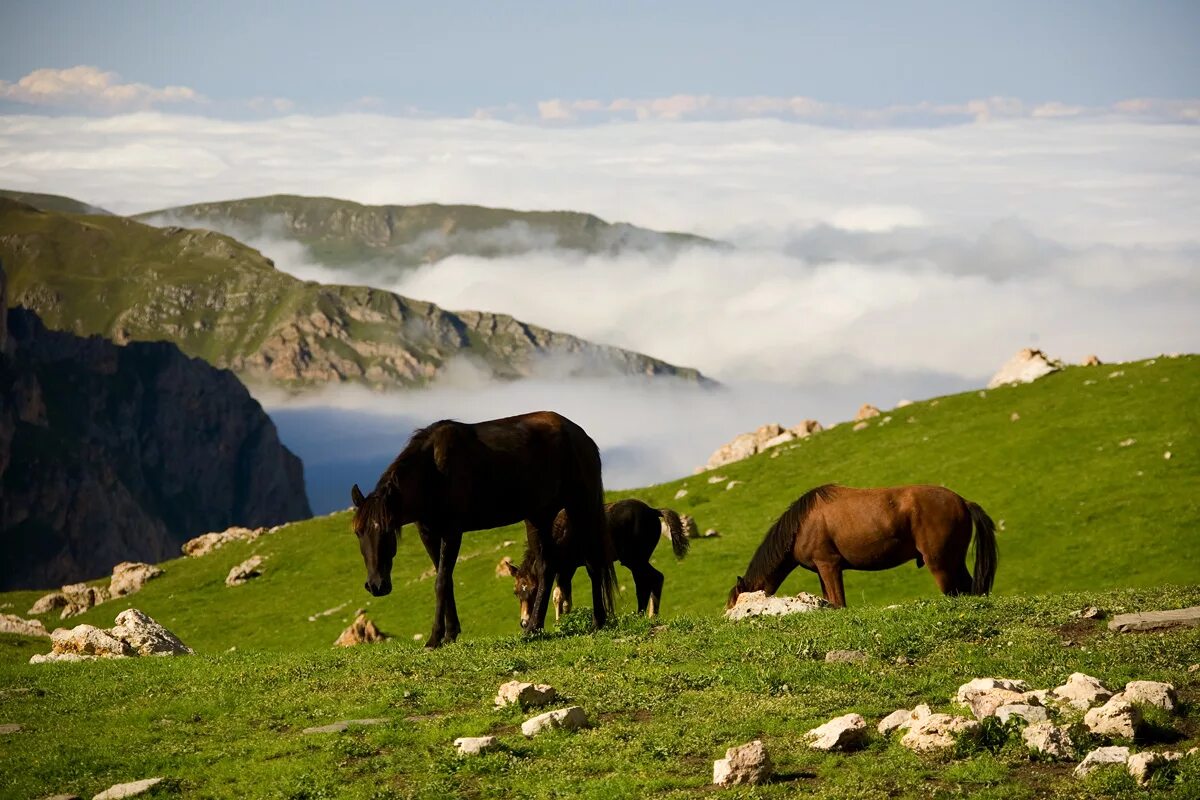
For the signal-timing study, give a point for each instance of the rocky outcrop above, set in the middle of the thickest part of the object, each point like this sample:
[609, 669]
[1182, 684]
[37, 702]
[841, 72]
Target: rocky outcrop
[205, 543]
[764, 438]
[1025, 367]
[360, 631]
[245, 571]
[129, 577]
[111, 454]
[11, 623]
[134, 634]
[760, 604]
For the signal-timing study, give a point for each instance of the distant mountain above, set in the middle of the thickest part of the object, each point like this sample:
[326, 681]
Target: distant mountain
[51, 202]
[226, 303]
[110, 454]
[343, 233]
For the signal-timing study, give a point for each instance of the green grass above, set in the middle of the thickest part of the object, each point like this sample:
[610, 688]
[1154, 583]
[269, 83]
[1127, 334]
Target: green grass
[1108, 525]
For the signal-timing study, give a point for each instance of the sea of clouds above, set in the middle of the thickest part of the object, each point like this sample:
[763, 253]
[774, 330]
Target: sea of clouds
[867, 265]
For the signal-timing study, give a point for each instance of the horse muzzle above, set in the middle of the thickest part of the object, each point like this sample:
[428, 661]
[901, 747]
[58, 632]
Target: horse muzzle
[378, 589]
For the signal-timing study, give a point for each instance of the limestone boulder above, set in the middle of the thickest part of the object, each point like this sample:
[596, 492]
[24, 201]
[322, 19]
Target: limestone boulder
[1116, 718]
[806, 428]
[1053, 741]
[1082, 691]
[1150, 693]
[938, 731]
[129, 577]
[134, 634]
[90, 641]
[205, 543]
[1025, 367]
[902, 719]
[132, 789]
[964, 693]
[1023, 711]
[245, 571]
[145, 636]
[844, 733]
[475, 745]
[759, 604]
[11, 623]
[48, 602]
[866, 411]
[525, 695]
[81, 598]
[1102, 757]
[747, 764]
[1142, 766]
[361, 631]
[571, 718]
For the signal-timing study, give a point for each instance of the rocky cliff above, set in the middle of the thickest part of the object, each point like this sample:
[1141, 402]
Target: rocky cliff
[222, 301]
[112, 453]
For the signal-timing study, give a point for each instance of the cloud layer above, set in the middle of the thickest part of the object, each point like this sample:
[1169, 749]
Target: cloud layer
[91, 88]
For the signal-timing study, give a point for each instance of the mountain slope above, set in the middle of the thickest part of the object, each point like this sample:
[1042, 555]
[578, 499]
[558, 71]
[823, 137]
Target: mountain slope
[224, 302]
[341, 232]
[51, 202]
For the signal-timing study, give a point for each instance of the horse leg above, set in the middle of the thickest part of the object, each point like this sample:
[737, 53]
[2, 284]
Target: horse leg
[953, 581]
[831, 583]
[655, 579]
[449, 557]
[562, 604]
[599, 615]
[433, 546]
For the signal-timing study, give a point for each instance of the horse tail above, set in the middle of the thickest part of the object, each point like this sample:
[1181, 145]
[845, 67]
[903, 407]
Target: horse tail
[590, 519]
[680, 543]
[985, 549]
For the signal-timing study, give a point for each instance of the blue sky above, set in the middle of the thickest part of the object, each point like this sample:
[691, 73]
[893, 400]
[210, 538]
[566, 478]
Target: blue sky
[453, 58]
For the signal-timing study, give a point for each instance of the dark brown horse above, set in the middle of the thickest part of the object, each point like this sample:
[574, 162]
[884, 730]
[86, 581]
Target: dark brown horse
[835, 528]
[454, 477]
[634, 528]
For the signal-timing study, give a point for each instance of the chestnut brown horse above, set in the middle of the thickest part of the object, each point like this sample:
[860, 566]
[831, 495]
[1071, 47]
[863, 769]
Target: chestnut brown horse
[834, 528]
[454, 477]
[635, 529]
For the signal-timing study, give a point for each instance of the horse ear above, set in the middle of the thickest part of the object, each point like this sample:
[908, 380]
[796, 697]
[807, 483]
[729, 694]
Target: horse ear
[356, 495]
[506, 567]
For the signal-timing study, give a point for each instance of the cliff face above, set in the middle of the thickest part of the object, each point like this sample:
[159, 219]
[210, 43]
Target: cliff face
[111, 453]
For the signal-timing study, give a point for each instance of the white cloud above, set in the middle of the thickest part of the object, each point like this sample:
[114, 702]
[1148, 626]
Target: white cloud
[90, 88]
[279, 105]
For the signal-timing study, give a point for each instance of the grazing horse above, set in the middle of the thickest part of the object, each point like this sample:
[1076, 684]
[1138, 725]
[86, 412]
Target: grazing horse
[835, 528]
[634, 528]
[454, 477]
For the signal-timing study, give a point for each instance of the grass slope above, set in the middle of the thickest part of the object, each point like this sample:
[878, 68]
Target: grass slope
[345, 233]
[52, 202]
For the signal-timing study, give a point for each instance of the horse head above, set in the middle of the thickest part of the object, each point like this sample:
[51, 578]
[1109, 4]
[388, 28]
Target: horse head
[376, 529]
[738, 587]
[525, 586]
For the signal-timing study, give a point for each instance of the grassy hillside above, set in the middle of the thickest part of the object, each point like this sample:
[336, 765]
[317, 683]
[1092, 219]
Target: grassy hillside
[51, 202]
[224, 302]
[341, 232]
[1117, 526]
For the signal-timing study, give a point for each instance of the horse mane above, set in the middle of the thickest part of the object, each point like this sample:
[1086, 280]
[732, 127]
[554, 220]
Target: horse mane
[377, 506]
[781, 538]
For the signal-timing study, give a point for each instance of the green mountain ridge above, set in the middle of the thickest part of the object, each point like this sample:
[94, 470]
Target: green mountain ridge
[222, 301]
[342, 233]
[52, 202]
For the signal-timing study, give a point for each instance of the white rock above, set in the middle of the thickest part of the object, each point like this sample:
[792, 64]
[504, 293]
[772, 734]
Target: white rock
[845, 657]
[1049, 739]
[1115, 718]
[128, 789]
[11, 623]
[1150, 693]
[206, 543]
[847, 732]
[866, 411]
[984, 704]
[526, 695]
[861, 426]
[987, 684]
[130, 576]
[732, 484]
[52, 657]
[1102, 757]
[475, 745]
[244, 571]
[717, 479]
[744, 764]
[806, 428]
[775, 441]
[1025, 367]
[902, 719]
[48, 602]
[1082, 691]
[938, 731]
[1143, 765]
[146, 637]
[87, 640]
[569, 719]
[1029, 713]
[754, 604]
[682, 493]
[81, 597]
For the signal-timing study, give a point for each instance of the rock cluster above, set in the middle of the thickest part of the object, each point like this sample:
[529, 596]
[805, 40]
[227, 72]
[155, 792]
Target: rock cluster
[1025, 367]
[205, 543]
[759, 604]
[360, 631]
[135, 634]
[764, 438]
[937, 732]
[11, 623]
[127, 578]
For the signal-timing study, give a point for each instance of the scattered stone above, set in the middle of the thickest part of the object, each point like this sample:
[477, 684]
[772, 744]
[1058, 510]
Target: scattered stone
[844, 733]
[775, 441]
[984, 704]
[744, 764]
[1029, 713]
[682, 493]
[711, 533]
[11, 623]
[86, 641]
[1014, 416]
[1143, 765]
[146, 637]
[129, 577]
[1150, 693]
[902, 719]
[904, 404]
[845, 656]
[1167, 455]
[866, 411]
[475, 745]
[361, 631]
[1049, 740]
[1156, 620]
[1091, 361]
[48, 602]
[1025, 367]
[861, 426]
[754, 604]
[1101, 757]
[128, 789]
[1082, 691]
[1127, 442]
[345, 725]
[329, 612]
[986, 685]
[732, 484]
[1194, 668]
[1089, 612]
[526, 695]
[10, 727]
[764, 438]
[717, 478]
[806, 428]
[938, 731]
[1117, 718]
[244, 571]
[80, 598]
[206, 543]
[1116, 374]
[571, 718]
